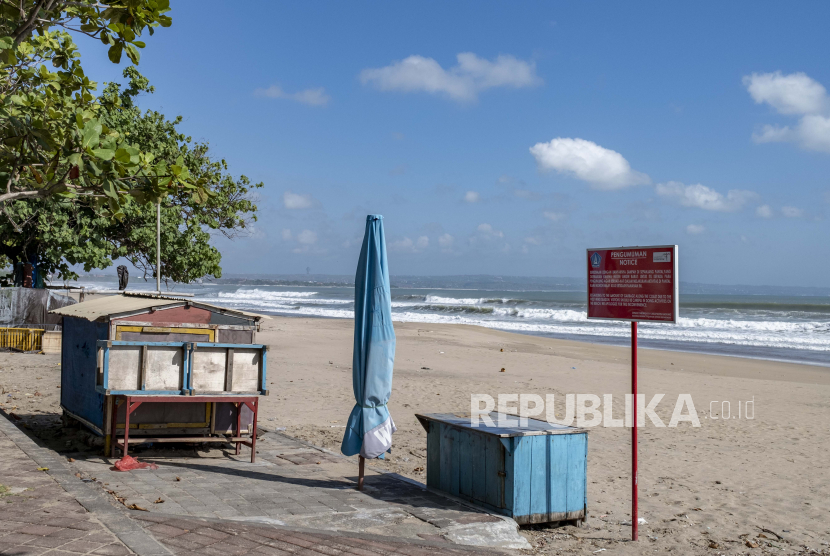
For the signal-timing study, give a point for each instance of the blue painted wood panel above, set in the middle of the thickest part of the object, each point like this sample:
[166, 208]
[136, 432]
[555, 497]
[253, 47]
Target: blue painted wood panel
[577, 484]
[540, 475]
[464, 463]
[449, 473]
[509, 466]
[558, 471]
[494, 466]
[478, 449]
[520, 477]
[79, 365]
[433, 455]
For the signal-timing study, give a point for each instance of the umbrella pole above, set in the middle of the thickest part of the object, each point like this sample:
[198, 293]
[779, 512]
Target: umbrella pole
[360, 465]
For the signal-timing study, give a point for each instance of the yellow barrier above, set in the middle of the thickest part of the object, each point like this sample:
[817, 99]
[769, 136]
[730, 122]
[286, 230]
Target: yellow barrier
[24, 339]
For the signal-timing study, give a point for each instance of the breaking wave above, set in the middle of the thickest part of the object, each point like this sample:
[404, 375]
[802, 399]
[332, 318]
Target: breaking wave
[785, 325]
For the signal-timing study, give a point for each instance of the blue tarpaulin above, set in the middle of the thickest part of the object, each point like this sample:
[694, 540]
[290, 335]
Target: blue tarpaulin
[370, 427]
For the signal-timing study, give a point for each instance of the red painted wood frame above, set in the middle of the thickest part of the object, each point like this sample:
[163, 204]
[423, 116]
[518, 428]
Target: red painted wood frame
[134, 401]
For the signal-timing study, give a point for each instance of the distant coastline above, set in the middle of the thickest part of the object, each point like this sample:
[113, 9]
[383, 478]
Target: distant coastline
[771, 323]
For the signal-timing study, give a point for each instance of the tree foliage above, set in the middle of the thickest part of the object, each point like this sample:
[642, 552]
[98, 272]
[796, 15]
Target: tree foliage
[64, 232]
[55, 142]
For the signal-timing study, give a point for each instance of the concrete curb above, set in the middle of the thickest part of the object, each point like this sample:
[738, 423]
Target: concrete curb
[91, 497]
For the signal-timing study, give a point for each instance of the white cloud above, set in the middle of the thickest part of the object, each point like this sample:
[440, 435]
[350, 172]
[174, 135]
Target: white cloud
[764, 211]
[533, 240]
[472, 197]
[311, 97]
[695, 229]
[602, 168]
[404, 244]
[488, 231]
[409, 246]
[813, 133]
[702, 197]
[793, 94]
[307, 237]
[792, 212]
[296, 201]
[461, 82]
[554, 216]
[445, 241]
[773, 134]
[286, 234]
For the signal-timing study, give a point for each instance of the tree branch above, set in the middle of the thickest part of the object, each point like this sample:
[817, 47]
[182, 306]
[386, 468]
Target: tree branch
[13, 196]
[25, 28]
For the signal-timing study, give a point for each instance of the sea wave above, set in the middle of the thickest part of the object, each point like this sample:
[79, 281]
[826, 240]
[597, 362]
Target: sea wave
[747, 328]
[266, 296]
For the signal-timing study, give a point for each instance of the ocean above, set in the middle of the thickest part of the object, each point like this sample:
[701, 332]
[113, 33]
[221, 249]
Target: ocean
[776, 323]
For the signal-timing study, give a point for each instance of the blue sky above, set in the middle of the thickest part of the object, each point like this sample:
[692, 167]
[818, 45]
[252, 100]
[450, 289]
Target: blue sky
[506, 138]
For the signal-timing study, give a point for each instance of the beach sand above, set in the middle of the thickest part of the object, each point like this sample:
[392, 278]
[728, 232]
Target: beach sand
[697, 486]
[702, 490]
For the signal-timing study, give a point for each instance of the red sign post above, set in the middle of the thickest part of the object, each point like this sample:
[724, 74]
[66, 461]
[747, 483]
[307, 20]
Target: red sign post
[633, 284]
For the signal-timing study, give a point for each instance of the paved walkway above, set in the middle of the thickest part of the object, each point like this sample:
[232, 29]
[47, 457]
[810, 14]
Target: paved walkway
[286, 503]
[298, 485]
[37, 516]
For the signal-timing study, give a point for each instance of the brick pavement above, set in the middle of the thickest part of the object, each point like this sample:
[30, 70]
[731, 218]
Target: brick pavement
[56, 512]
[193, 536]
[37, 516]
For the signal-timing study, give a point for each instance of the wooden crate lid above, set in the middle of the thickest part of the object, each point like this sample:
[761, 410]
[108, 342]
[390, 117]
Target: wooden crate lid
[463, 420]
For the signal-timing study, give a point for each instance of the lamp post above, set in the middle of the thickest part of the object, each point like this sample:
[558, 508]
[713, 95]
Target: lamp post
[158, 247]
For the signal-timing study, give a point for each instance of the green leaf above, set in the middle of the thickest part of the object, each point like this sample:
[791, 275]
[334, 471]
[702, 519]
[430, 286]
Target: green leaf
[133, 54]
[92, 134]
[110, 190]
[122, 156]
[103, 154]
[114, 53]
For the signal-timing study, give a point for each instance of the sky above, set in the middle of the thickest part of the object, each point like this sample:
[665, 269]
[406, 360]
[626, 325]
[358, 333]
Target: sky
[507, 138]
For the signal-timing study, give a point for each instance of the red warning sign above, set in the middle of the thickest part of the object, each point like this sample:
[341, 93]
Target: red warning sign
[633, 283]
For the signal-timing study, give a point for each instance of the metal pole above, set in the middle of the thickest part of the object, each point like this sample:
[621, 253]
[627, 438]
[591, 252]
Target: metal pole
[158, 247]
[361, 462]
[634, 517]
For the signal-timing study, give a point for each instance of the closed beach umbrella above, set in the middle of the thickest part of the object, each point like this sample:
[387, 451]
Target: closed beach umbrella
[370, 427]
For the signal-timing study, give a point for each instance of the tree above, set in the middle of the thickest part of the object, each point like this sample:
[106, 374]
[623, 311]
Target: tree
[62, 232]
[54, 143]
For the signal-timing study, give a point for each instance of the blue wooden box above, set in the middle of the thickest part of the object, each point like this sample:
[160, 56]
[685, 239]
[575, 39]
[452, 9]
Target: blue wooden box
[534, 474]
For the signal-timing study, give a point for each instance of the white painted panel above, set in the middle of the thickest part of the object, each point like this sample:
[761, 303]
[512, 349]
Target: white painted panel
[164, 368]
[245, 370]
[124, 367]
[209, 369]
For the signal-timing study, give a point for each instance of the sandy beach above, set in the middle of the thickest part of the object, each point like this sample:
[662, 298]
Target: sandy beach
[712, 489]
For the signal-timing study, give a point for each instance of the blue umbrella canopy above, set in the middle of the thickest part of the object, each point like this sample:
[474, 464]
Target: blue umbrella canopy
[370, 427]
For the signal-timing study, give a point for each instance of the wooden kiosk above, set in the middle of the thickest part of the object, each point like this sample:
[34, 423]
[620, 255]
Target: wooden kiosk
[162, 369]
